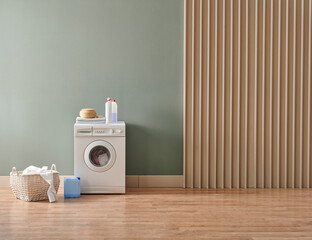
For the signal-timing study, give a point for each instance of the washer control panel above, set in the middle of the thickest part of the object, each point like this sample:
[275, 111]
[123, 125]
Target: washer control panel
[112, 130]
[107, 131]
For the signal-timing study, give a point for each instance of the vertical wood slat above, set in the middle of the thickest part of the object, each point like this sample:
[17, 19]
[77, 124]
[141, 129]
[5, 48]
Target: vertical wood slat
[186, 150]
[221, 184]
[208, 84]
[277, 157]
[231, 97]
[236, 182]
[208, 91]
[199, 176]
[193, 94]
[307, 99]
[184, 97]
[262, 182]
[292, 178]
[269, 167]
[286, 100]
[274, 136]
[214, 179]
[299, 173]
[309, 176]
[245, 167]
[256, 96]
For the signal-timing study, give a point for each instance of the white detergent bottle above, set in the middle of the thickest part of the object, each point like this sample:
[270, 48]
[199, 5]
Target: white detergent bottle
[114, 111]
[108, 111]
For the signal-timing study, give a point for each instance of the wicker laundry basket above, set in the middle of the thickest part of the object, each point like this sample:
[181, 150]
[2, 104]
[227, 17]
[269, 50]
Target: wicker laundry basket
[32, 187]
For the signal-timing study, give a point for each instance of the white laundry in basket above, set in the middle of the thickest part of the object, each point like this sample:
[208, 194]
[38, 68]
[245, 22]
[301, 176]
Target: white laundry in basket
[47, 175]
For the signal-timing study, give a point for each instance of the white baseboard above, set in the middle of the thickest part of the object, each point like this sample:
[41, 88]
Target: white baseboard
[164, 181]
[4, 181]
[136, 181]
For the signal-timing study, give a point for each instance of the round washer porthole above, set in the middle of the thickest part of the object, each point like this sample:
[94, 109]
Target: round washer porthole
[99, 156]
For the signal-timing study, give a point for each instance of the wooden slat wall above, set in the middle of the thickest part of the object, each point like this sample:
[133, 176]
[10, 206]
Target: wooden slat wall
[247, 94]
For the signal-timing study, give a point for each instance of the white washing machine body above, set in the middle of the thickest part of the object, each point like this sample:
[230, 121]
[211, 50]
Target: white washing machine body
[100, 157]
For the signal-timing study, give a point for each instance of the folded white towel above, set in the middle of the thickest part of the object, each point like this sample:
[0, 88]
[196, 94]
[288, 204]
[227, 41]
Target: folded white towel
[80, 120]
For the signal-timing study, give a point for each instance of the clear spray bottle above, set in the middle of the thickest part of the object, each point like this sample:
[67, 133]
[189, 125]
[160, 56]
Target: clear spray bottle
[114, 112]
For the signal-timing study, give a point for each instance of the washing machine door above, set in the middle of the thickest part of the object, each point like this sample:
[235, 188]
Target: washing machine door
[99, 156]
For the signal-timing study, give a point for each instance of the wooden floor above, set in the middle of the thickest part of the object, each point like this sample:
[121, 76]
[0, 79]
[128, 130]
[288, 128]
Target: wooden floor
[162, 214]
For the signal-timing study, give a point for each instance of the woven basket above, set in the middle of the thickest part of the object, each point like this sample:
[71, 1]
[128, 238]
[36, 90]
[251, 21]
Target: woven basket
[32, 187]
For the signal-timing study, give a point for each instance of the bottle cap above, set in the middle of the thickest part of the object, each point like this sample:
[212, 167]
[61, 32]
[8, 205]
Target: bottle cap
[114, 100]
[108, 99]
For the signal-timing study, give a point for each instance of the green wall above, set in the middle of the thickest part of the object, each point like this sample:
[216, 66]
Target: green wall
[58, 56]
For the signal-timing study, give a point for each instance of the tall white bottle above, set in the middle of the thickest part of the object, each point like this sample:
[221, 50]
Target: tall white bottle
[108, 110]
[114, 112]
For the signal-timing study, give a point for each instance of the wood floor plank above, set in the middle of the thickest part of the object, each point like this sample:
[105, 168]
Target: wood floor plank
[175, 213]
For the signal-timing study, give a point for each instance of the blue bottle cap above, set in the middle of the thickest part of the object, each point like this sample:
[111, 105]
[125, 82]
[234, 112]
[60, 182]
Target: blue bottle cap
[78, 178]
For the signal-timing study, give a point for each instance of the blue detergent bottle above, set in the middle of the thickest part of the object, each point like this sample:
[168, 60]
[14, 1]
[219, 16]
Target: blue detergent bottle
[71, 187]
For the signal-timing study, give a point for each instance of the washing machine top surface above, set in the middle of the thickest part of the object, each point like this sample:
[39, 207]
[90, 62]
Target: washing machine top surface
[95, 129]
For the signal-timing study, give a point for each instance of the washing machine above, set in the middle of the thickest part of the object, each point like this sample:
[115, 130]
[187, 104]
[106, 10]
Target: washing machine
[100, 157]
